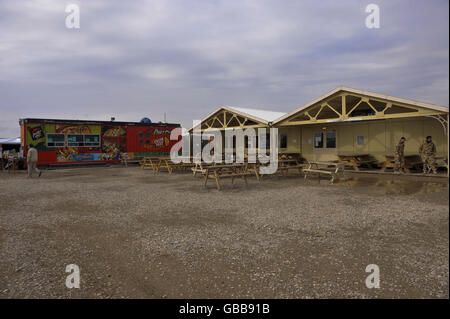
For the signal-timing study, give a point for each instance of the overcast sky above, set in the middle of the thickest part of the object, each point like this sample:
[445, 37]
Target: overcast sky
[131, 59]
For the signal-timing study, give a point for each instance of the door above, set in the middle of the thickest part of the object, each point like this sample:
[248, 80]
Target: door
[325, 145]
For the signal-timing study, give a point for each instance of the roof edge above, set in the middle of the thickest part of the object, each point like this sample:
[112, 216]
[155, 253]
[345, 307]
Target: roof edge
[368, 93]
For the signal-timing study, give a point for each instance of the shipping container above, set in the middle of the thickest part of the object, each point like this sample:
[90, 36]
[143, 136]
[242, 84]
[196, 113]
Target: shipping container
[76, 141]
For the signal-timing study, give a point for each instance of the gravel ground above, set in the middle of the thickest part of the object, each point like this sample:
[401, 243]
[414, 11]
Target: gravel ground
[140, 234]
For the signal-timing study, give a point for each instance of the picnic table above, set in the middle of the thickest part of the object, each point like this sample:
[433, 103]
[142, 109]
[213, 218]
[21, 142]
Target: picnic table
[184, 163]
[200, 167]
[228, 170]
[441, 162]
[150, 162]
[358, 160]
[326, 168]
[411, 161]
[158, 163]
[284, 165]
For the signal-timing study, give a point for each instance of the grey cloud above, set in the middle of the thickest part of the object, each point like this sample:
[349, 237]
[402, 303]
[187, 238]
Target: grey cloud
[144, 58]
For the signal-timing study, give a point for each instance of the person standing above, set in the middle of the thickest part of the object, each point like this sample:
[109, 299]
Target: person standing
[32, 158]
[399, 156]
[427, 152]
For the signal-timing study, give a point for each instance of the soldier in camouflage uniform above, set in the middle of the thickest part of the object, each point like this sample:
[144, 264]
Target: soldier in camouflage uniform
[428, 152]
[399, 156]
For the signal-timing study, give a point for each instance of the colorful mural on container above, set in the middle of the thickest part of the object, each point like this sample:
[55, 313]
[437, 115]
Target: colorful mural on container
[73, 142]
[81, 152]
[114, 139]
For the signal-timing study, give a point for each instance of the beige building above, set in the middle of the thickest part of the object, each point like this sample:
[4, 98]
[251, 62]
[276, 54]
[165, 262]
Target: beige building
[345, 121]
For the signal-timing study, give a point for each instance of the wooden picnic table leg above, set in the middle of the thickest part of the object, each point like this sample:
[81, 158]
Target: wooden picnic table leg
[169, 169]
[217, 179]
[255, 168]
[206, 177]
[154, 165]
[355, 165]
[233, 171]
[195, 169]
[164, 165]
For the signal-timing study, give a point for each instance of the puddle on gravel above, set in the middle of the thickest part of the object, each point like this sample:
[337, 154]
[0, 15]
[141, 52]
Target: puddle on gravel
[395, 187]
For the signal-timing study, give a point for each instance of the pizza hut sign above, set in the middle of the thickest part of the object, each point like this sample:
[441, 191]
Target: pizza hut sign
[36, 133]
[159, 132]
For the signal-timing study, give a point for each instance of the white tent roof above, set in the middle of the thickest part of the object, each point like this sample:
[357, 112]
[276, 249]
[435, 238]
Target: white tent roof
[268, 116]
[9, 140]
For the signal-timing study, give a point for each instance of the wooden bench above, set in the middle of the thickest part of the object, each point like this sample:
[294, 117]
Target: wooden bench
[182, 166]
[165, 163]
[441, 162]
[411, 162]
[200, 167]
[253, 168]
[150, 162]
[326, 168]
[295, 156]
[284, 165]
[356, 161]
[222, 171]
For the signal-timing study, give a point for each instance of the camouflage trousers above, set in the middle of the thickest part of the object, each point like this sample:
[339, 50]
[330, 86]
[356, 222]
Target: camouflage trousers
[399, 163]
[429, 163]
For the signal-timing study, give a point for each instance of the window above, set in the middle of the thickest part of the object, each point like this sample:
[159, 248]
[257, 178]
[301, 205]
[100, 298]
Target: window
[141, 134]
[75, 140]
[92, 140]
[141, 141]
[264, 138]
[55, 140]
[331, 139]
[283, 141]
[147, 142]
[147, 134]
[360, 140]
[318, 140]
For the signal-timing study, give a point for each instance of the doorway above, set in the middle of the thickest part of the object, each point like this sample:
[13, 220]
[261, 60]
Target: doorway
[325, 145]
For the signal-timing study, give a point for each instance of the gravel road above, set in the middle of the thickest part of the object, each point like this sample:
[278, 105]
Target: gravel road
[139, 234]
